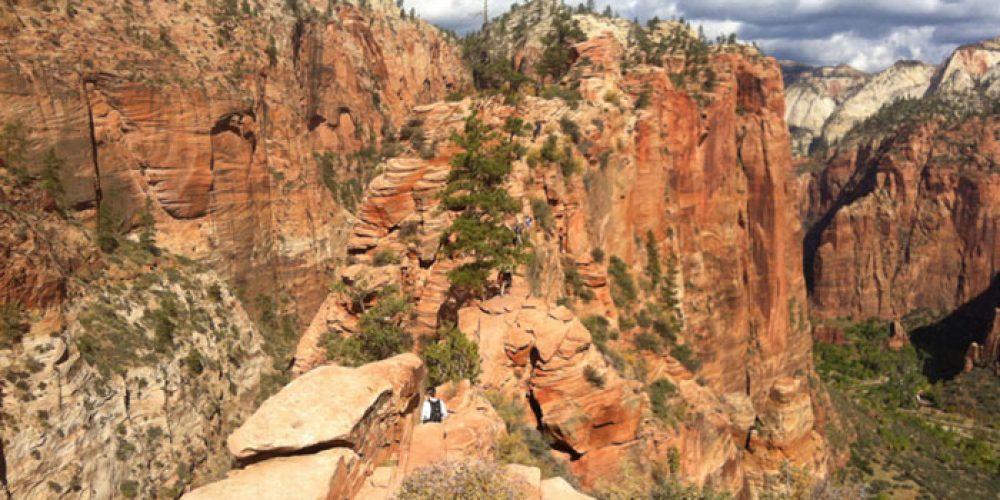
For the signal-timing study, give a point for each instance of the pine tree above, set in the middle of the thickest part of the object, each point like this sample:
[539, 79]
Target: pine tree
[478, 237]
[147, 235]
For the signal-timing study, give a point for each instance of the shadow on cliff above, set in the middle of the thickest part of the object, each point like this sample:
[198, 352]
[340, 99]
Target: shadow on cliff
[946, 341]
[862, 184]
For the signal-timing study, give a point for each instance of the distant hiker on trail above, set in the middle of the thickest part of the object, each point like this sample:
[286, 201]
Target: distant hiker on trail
[538, 130]
[434, 409]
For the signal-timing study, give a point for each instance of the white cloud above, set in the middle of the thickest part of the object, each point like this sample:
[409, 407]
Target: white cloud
[869, 34]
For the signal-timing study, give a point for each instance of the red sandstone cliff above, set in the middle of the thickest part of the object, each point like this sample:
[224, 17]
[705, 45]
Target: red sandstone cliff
[906, 221]
[220, 126]
[707, 174]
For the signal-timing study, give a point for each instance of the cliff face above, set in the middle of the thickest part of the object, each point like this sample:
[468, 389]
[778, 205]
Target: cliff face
[119, 376]
[973, 67]
[689, 177]
[812, 95]
[907, 222]
[823, 106]
[250, 147]
[660, 186]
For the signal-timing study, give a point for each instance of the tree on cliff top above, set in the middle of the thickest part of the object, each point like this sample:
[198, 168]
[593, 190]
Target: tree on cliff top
[478, 237]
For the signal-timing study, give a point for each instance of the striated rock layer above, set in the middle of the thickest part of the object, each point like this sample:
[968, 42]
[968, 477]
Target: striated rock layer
[246, 145]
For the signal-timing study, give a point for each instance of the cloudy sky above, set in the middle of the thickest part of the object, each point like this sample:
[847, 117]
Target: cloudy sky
[868, 34]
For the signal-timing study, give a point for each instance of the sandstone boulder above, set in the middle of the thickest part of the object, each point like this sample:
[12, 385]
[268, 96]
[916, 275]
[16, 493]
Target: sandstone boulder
[556, 488]
[320, 476]
[528, 479]
[331, 406]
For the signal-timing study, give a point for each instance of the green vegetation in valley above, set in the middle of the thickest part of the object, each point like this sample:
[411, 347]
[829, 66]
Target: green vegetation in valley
[939, 440]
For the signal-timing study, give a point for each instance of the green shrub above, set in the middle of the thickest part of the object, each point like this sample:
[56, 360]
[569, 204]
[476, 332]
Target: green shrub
[452, 358]
[594, 377]
[599, 327]
[571, 96]
[12, 325]
[108, 225]
[385, 258]
[570, 128]
[659, 394]
[623, 289]
[686, 356]
[543, 214]
[194, 362]
[574, 282]
[597, 254]
[647, 342]
[129, 488]
[380, 332]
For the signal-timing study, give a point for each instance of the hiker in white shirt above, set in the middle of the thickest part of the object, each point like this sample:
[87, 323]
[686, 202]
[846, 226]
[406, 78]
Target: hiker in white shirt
[434, 409]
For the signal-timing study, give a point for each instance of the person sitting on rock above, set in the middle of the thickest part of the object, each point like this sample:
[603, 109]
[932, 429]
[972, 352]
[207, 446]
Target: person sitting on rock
[434, 409]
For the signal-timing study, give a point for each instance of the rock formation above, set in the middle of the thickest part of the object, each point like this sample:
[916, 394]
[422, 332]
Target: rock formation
[812, 96]
[824, 105]
[987, 353]
[972, 67]
[252, 149]
[905, 221]
[713, 194]
[353, 433]
[664, 206]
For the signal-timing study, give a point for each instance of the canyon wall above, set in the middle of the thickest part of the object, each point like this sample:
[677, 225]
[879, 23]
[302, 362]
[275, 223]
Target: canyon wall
[660, 183]
[692, 178]
[252, 149]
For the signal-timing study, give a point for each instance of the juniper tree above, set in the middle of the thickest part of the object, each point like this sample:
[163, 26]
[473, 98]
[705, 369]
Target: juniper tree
[147, 233]
[478, 237]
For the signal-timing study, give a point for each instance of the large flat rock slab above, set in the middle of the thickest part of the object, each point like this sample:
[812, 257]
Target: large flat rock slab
[309, 477]
[330, 406]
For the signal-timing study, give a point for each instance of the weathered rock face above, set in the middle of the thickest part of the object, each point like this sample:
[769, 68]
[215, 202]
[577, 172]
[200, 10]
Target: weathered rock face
[113, 395]
[973, 67]
[311, 477]
[245, 144]
[527, 347]
[811, 96]
[358, 409]
[905, 79]
[906, 223]
[824, 104]
[41, 252]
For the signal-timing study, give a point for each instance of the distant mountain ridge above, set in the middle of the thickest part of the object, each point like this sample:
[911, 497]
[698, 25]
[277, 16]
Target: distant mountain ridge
[824, 103]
